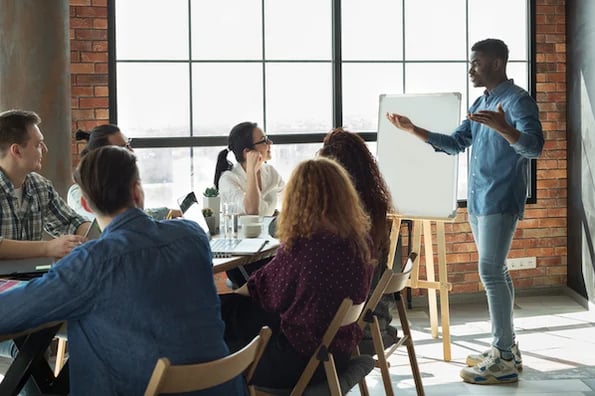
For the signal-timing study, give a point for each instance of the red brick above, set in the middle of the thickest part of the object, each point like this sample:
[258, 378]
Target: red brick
[91, 34]
[93, 103]
[100, 23]
[94, 56]
[101, 91]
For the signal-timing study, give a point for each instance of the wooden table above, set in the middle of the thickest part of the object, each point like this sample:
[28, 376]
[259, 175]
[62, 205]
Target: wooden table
[30, 362]
[228, 263]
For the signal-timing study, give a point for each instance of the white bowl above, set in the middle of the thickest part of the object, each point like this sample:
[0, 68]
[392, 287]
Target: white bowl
[252, 230]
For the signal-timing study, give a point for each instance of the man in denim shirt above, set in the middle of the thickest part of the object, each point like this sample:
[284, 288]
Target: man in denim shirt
[504, 128]
[142, 291]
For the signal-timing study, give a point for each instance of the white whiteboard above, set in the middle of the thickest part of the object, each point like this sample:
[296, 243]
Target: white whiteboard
[423, 182]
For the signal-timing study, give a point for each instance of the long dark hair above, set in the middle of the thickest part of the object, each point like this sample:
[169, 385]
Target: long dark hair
[240, 138]
[350, 150]
[98, 137]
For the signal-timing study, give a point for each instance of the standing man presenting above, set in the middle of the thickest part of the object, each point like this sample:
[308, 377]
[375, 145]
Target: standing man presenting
[504, 128]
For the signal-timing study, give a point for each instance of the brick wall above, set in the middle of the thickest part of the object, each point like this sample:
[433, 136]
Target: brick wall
[88, 53]
[542, 233]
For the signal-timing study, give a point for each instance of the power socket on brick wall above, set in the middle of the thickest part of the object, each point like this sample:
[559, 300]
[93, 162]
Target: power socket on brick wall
[521, 263]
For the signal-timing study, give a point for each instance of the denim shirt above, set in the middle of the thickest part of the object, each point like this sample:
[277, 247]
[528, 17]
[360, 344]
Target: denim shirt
[142, 291]
[497, 181]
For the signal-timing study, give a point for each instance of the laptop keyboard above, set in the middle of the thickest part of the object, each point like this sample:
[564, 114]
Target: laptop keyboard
[224, 245]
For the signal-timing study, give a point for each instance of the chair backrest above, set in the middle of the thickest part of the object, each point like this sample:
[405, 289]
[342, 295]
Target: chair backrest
[398, 280]
[347, 314]
[389, 282]
[193, 377]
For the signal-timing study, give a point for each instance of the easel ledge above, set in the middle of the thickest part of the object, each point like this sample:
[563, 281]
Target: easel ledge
[424, 224]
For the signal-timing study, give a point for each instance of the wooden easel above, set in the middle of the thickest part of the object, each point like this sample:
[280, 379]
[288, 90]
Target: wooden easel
[424, 225]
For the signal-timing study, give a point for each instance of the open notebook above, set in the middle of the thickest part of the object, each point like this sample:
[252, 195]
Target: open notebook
[223, 247]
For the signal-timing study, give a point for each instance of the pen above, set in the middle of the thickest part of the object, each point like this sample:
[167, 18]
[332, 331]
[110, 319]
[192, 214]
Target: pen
[263, 245]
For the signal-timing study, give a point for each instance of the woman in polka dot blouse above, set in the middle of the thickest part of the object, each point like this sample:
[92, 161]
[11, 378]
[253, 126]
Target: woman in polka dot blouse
[326, 255]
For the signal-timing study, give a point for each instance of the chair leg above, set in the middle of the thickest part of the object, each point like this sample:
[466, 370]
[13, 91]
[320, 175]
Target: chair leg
[60, 356]
[363, 386]
[410, 349]
[382, 362]
[331, 376]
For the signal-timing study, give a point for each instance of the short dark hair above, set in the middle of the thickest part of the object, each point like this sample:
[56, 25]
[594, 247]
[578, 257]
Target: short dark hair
[98, 137]
[492, 47]
[13, 128]
[105, 176]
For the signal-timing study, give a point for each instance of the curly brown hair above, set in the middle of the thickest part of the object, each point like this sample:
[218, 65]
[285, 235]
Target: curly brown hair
[350, 150]
[310, 205]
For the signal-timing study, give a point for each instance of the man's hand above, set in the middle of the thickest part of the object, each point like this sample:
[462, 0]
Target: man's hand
[61, 246]
[400, 121]
[493, 119]
[497, 121]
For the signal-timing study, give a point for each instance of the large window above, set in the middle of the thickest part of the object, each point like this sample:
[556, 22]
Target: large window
[183, 72]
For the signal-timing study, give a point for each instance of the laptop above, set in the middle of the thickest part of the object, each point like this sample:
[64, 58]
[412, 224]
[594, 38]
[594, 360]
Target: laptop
[191, 210]
[94, 231]
[31, 267]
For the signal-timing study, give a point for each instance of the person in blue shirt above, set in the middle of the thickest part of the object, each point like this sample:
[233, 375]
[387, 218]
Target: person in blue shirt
[504, 129]
[142, 291]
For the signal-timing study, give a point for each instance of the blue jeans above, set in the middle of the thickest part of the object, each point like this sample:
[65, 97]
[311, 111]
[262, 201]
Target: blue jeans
[493, 237]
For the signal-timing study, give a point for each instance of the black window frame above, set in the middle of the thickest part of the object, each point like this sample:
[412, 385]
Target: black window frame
[297, 138]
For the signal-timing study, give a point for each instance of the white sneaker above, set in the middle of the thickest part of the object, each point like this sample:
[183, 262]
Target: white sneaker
[492, 370]
[474, 360]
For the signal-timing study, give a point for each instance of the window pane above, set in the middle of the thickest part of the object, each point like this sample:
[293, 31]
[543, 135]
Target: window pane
[165, 175]
[435, 29]
[298, 97]
[151, 29]
[203, 172]
[362, 85]
[298, 30]
[225, 94]
[372, 30]
[287, 156]
[486, 20]
[519, 73]
[153, 99]
[226, 29]
[438, 77]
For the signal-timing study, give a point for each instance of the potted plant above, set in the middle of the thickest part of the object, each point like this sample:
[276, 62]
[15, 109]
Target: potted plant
[210, 219]
[212, 201]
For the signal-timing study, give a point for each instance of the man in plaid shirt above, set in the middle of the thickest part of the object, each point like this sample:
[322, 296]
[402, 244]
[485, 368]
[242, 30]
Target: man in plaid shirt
[28, 202]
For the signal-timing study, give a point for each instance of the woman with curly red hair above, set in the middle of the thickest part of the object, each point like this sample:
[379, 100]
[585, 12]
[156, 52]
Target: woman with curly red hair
[325, 256]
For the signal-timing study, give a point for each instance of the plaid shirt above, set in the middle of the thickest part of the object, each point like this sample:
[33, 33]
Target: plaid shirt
[41, 209]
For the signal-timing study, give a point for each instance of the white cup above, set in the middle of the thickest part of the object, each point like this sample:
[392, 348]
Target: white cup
[252, 230]
[249, 219]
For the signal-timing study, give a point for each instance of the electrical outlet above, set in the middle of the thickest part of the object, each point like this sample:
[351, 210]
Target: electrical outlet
[521, 263]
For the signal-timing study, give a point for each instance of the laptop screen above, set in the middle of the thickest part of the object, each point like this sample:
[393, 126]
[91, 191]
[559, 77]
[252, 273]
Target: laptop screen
[194, 213]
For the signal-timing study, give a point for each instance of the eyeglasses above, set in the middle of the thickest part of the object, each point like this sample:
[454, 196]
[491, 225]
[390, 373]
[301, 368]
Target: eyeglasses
[265, 140]
[127, 145]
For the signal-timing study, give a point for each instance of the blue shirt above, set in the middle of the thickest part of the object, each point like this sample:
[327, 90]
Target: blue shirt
[497, 181]
[142, 291]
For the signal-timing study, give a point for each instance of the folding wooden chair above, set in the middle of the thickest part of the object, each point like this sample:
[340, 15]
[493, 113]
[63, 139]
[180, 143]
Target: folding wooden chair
[394, 283]
[193, 377]
[337, 383]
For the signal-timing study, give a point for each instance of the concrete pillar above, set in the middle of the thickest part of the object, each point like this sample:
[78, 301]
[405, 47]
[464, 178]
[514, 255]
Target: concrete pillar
[35, 75]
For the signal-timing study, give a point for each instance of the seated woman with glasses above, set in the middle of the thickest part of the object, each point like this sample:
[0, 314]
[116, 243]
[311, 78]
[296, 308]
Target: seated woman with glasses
[251, 185]
[325, 256]
[108, 135]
